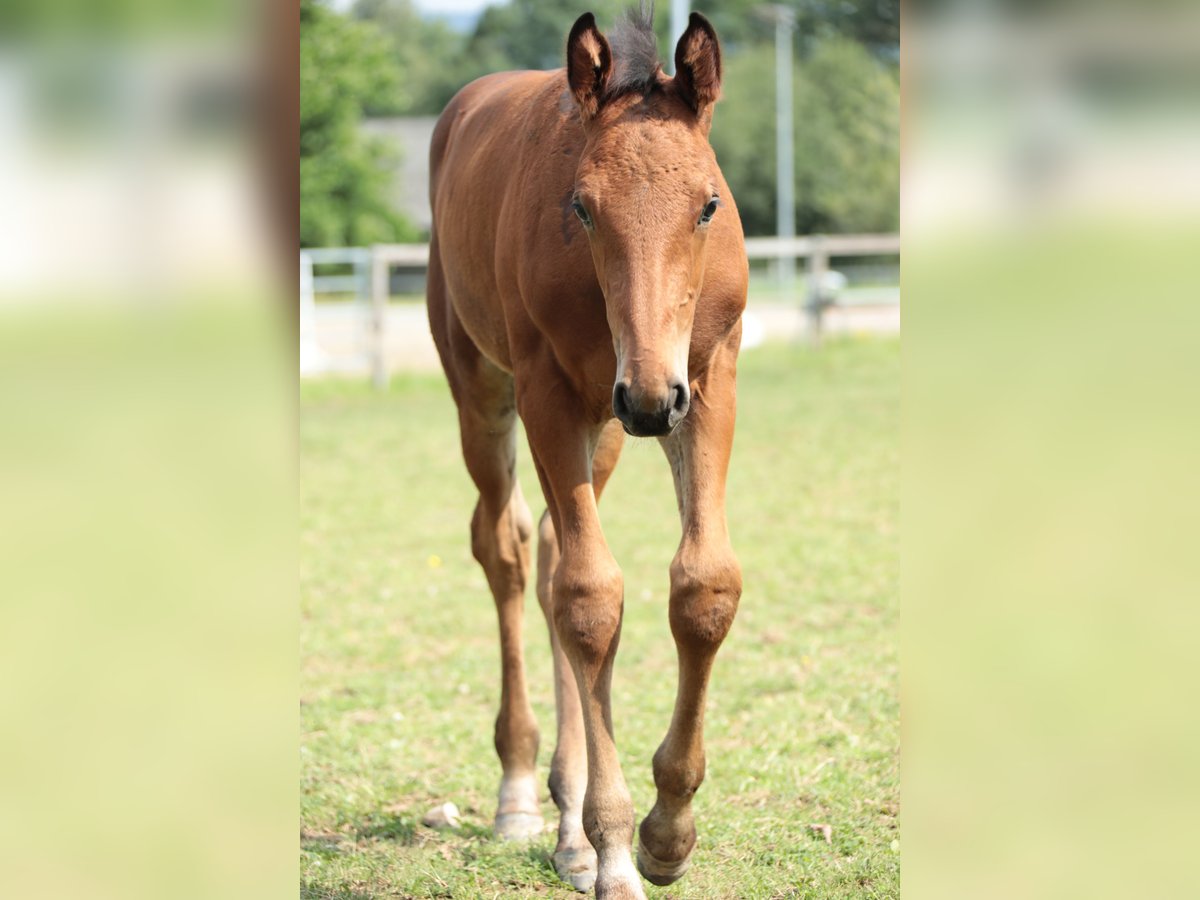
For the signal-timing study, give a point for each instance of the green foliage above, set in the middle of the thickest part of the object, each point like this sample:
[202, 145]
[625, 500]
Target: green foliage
[744, 23]
[344, 66]
[847, 142]
[532, 34]
[847, 121]
[387, 60]
[523, 34]
[427, 54]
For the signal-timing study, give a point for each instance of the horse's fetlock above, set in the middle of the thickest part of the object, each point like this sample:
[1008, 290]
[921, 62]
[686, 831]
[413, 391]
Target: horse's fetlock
[516, 737]
[557, 788]
[608, 823]
[679, 778]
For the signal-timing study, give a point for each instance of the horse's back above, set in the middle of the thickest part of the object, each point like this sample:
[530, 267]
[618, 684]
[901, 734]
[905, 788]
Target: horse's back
[480, 111]
[472, 166]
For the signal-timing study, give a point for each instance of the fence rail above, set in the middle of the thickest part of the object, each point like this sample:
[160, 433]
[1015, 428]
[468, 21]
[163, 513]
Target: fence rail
[417, 255]
[372, 266]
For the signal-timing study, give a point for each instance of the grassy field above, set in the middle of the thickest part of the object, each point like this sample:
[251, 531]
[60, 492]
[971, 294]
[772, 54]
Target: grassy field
[400, 660]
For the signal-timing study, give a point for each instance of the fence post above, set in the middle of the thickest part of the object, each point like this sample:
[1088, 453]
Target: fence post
[818, 266]
[379, 305]
[312, 359]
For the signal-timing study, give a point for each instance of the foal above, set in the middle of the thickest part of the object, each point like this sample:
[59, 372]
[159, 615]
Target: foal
[588, 273]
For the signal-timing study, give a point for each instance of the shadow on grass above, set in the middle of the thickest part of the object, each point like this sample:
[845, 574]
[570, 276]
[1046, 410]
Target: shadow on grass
[325, 845]
[543, 858]
[405, 830]
[309, 891]
[399, 829]
[474, 832]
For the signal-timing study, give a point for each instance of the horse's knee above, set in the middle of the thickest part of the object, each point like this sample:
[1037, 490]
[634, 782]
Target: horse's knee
[588, 597]
[706, 585]
[608, 818]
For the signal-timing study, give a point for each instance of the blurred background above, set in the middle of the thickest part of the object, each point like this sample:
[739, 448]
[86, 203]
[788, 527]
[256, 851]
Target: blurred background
[807, 134]
[149, 229]
[1051, 209]
[147, 629]
[399, 655]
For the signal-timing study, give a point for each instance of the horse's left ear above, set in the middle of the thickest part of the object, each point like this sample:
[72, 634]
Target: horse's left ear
[698, 64]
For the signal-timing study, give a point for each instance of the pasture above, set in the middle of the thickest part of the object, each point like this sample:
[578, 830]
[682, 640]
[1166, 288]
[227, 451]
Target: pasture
[399, 681]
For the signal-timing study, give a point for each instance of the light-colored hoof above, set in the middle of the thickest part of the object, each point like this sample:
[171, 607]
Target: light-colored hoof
[519, 826]
[577, 868]
[658, 872]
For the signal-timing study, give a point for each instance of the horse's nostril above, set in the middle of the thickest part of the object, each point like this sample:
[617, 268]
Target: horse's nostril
[621, 400]
[680, 398]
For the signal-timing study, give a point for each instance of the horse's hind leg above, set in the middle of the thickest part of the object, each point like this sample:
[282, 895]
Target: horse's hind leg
[501, 531]
[574, 856]
[500, 539]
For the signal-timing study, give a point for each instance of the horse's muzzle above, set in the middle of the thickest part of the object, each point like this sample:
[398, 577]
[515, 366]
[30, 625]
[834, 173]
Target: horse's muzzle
[645, 415]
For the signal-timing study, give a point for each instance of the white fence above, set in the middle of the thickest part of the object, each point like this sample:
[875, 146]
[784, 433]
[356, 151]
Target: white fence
[371, 269]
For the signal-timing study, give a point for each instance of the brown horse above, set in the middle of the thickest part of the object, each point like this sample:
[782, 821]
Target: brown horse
[587, 261]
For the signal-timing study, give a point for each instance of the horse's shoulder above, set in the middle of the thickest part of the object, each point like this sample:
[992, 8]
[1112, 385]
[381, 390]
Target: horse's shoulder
[498, 89]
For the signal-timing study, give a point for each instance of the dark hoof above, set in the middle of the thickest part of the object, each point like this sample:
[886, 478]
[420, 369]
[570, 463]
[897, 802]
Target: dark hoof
[658, 872]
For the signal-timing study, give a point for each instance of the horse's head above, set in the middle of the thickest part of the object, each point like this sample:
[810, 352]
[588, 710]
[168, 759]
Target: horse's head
[646, 190]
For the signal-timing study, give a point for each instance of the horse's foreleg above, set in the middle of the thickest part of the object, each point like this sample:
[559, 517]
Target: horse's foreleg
[587, 606]
[706, 584]
[574, 856]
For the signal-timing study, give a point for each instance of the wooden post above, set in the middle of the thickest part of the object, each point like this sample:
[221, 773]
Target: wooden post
[312, 358]
[379, 305]
[818, 266]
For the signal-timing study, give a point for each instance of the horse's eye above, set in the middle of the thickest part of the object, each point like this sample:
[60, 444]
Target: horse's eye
[582, 213]
[710, 210]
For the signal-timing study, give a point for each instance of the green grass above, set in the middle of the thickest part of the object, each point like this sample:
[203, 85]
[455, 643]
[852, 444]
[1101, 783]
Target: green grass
[400, 660]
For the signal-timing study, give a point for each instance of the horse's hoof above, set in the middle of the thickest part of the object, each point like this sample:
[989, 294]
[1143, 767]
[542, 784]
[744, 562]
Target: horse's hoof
[577, 868]
[518, 826]
[658, 872]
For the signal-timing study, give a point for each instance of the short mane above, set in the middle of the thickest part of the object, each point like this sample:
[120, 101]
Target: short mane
[635, 52]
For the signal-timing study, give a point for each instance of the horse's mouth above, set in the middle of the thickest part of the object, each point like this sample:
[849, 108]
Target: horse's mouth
[660, 428]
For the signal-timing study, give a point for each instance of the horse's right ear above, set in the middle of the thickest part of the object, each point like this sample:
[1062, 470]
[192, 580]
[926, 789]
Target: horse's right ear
[589, 65]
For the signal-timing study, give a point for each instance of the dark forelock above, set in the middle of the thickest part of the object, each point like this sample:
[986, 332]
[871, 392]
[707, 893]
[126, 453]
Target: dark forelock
[635, 52]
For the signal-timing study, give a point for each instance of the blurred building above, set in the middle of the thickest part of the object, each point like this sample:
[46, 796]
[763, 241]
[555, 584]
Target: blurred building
[409, 193]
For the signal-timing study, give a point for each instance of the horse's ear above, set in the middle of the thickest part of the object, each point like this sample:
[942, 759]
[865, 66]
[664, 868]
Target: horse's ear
[698, 64]
[589, 65]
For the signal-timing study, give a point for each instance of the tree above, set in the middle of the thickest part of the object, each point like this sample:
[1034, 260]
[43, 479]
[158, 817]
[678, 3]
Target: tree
[873, 23]
[344, 65]
[427, 54]
[532, 34]
[847, 119]
[847, 142]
